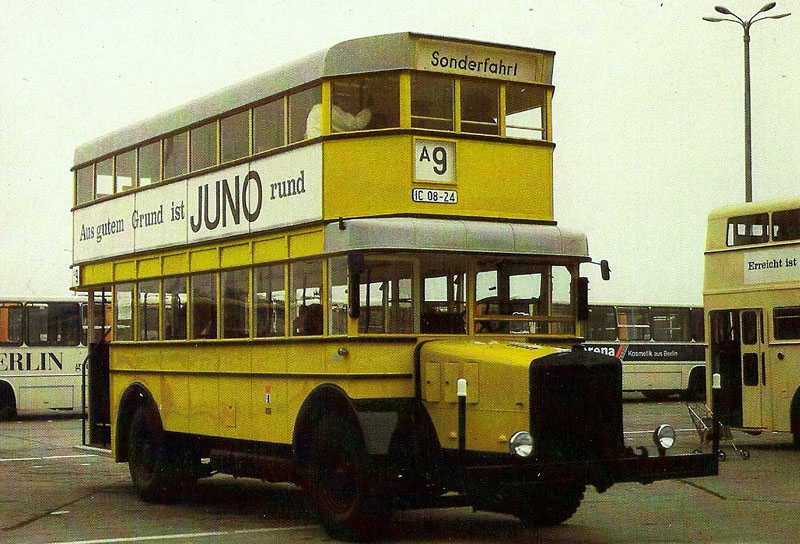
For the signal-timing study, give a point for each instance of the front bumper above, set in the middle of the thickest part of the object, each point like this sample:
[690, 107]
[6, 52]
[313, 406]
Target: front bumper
[601, 473]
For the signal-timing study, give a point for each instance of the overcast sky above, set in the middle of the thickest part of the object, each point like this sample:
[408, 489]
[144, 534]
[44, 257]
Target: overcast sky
[648, 113]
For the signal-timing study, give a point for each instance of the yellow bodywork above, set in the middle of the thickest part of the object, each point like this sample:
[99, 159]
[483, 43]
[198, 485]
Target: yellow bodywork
[497, 374]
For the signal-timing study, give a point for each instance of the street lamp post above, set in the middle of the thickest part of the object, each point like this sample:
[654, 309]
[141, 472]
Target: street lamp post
[748, 164]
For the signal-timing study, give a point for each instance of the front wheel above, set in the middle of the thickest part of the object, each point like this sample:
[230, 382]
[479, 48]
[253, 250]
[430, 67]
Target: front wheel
[548, 504]
[8, 406]
[346, 496]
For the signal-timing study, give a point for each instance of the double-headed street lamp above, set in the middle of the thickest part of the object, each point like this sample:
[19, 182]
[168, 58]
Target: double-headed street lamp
[748, 166]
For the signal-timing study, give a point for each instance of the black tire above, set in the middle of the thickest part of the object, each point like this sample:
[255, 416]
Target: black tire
[696, 390]
[549, 504]
[158, 464]
[341, 485]
[8, 405]
[654, 395]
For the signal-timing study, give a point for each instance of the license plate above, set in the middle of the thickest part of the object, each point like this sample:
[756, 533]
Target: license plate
[435, 196]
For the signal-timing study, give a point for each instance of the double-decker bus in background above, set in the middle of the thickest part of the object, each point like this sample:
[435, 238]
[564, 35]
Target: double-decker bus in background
[662, 348]
[43, 345]
[751, 295]
[345, 273]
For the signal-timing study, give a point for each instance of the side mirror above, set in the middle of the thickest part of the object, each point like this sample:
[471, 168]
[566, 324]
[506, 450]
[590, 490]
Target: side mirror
[605, 271]
[355, 266]
[583, 299]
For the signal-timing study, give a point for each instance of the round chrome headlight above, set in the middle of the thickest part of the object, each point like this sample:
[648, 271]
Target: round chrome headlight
[664, 436]
[521, 444]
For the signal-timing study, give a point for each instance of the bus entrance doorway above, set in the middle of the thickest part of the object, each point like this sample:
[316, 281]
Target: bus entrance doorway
[737, 355]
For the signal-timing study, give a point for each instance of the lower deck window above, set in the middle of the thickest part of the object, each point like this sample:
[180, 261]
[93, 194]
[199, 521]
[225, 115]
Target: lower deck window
[787, 323]
[204, 305]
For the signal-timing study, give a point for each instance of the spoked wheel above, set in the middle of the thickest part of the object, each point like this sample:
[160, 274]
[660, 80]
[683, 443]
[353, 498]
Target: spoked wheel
[339, 481]
[158, 465]
[548, 504]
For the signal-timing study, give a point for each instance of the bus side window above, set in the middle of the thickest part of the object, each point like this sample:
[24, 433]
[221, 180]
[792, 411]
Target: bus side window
[306, 297]
[786, 225]
[10, 324]
[748, 229]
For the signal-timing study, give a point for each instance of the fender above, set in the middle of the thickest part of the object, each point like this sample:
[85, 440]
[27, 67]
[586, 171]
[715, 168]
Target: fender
[135, 395]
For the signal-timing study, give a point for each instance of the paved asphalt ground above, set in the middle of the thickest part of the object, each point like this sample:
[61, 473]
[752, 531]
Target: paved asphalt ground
[51, 492]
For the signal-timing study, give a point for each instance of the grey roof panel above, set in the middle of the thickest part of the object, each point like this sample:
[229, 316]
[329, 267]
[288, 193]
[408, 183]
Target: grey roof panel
[399, 233]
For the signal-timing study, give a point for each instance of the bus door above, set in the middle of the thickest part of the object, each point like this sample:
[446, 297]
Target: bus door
[726, 360]
[753, 367]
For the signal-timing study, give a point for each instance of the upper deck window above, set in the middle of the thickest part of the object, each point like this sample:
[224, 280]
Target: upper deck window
[369, 102]
[204, 146]
[10, 324]
[748, 229]
[432, 102]
[125, 171]
[786, 225]
[480, 104]
[300, 108]
[149, 163]
[104, 185]
[84, 180]
[269, 127]
[234, 136]
[525, 111]
[174, 153]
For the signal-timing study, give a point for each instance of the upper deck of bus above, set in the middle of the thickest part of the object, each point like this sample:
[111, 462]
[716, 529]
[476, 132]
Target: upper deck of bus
[458, 128]
[752, 246]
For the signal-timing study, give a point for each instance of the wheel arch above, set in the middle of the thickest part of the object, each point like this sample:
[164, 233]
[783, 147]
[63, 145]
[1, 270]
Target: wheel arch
[323, 399]
[134, 397]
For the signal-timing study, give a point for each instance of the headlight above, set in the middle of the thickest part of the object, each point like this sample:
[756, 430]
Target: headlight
[521, 444]
[664, 437]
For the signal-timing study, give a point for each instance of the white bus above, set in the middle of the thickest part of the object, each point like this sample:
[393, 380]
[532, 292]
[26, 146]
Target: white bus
[42, 350]
[661, 347]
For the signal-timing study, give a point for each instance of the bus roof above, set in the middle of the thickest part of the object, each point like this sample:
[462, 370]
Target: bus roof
[362, 55]
[747, 208]
[413, 233]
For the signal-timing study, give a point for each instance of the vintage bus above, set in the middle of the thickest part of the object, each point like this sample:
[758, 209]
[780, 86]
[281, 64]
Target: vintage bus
[345, 273]
[42, 351]
[662, 348]
[751, 296]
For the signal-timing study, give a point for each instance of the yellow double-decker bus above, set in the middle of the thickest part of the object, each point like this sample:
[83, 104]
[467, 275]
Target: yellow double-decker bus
[752, 300]
[345, 273]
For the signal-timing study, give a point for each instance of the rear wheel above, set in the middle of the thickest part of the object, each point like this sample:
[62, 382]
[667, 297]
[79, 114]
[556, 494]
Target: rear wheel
[340, 483]
[159, 464]
[548, 504]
